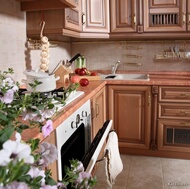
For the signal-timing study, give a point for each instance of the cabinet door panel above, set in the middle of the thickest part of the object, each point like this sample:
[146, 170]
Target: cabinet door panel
[53, 166]
[131, 131]
[130, 111]
[98, 111]
[164, 16]
[95, 15]
[123, 15]
[73, 17]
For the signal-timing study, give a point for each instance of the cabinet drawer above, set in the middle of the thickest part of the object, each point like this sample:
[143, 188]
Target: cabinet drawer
[174, 94]
[174, 111]
[173, 135]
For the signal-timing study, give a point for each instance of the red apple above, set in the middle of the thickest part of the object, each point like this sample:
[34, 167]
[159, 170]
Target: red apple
[84, 82]
[94, 74]
[82, 72]
[77, 70]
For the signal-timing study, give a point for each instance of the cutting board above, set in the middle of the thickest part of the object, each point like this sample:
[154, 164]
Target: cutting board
[90, 78]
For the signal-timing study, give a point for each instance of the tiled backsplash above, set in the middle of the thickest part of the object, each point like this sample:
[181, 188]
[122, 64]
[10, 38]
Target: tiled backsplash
[134, 55]
[100, 55]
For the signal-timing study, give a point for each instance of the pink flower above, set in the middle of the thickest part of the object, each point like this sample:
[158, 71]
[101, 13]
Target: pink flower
[49, 153]
[47, 128]
[8, 96]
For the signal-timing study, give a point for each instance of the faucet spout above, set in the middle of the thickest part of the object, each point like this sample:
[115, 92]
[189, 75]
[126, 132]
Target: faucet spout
[114, 68]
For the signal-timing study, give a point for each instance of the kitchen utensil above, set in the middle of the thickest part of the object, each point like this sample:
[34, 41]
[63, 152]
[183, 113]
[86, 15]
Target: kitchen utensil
[60, 62]
[72, 59]
[48, 81]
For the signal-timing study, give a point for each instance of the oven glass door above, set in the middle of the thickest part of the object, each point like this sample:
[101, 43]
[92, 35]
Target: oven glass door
[91, 156]
[74, 147]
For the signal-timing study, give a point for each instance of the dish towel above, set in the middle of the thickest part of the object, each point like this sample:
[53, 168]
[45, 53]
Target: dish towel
[113, 162]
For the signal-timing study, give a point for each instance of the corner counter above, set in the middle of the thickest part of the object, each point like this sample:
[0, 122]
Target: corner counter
[66, 111]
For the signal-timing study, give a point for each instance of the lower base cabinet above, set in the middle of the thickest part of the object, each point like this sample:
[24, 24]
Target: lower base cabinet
[53, 166]
[130, 109]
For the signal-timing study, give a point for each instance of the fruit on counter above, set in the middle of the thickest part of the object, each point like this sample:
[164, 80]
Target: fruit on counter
[84, 82]
[94, 74]
[75, 79]
[77, 70]
[82, 72]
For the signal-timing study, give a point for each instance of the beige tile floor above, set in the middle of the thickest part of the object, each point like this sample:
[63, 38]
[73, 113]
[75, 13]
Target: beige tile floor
[142, 172]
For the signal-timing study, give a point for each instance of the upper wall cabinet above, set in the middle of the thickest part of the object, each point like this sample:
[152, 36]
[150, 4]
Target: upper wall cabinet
[150, 19]
[33, 5]
[165, 16]
[89, 19]
[95, 16]
[123, 15]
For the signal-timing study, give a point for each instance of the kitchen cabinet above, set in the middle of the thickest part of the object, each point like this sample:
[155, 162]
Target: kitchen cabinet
[95, 16]
[65, 22]
[87, 20]
[130, 109]
[34, 5]
[174, 119]
[98, 111]
[53, 166]
[165, 16]
[123, 15]
[150, 19]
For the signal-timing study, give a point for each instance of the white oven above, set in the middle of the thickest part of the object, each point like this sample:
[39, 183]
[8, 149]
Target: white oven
[74, 140]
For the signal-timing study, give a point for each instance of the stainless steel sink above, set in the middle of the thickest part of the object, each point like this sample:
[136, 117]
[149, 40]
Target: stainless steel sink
[144, 77]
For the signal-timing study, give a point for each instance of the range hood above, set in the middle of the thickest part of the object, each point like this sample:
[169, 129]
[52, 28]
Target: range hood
[34, 5]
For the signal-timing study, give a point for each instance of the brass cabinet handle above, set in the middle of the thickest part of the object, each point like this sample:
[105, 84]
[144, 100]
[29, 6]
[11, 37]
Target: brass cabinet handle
[149, 99]
[97, 109]
[184, 18]
[83, 18]
[135, 20]
[185, 94]
[184, 112]
[185, 124]
[188, 17]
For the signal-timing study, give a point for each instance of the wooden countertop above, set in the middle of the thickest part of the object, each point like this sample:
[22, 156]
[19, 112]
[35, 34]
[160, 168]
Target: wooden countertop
[66, 111]
[174, 79]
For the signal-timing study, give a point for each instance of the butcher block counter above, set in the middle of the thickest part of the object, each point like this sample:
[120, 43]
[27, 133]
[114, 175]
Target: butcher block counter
[174, 79]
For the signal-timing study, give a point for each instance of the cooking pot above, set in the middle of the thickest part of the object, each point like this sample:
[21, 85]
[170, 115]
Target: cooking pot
[48, 81]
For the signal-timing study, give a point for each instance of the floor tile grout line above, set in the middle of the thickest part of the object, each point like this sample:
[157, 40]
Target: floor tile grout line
[129, 171]
[162, 172]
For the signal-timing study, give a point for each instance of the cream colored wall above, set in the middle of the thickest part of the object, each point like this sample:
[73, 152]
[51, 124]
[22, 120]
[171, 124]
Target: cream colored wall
[103, 55]
[14, 51]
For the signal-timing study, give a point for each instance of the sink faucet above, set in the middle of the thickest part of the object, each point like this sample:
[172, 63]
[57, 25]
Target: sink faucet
[114, 68]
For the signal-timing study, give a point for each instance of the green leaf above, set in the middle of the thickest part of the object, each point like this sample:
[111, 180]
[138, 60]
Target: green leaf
[5, 134]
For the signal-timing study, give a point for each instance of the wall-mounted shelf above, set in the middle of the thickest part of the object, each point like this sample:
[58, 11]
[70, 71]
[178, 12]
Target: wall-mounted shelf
[172, 55]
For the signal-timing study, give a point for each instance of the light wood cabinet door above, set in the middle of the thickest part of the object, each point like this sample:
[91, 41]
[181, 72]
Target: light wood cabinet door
[129, 108]
[98, 111]
[165, 16]
[188, 15]
[123, 15]
[71, 3]
[53, 166]
[72, 17]
[95, 16]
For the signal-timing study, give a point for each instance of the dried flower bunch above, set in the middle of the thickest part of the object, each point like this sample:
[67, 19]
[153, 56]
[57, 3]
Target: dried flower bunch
[23, 163]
